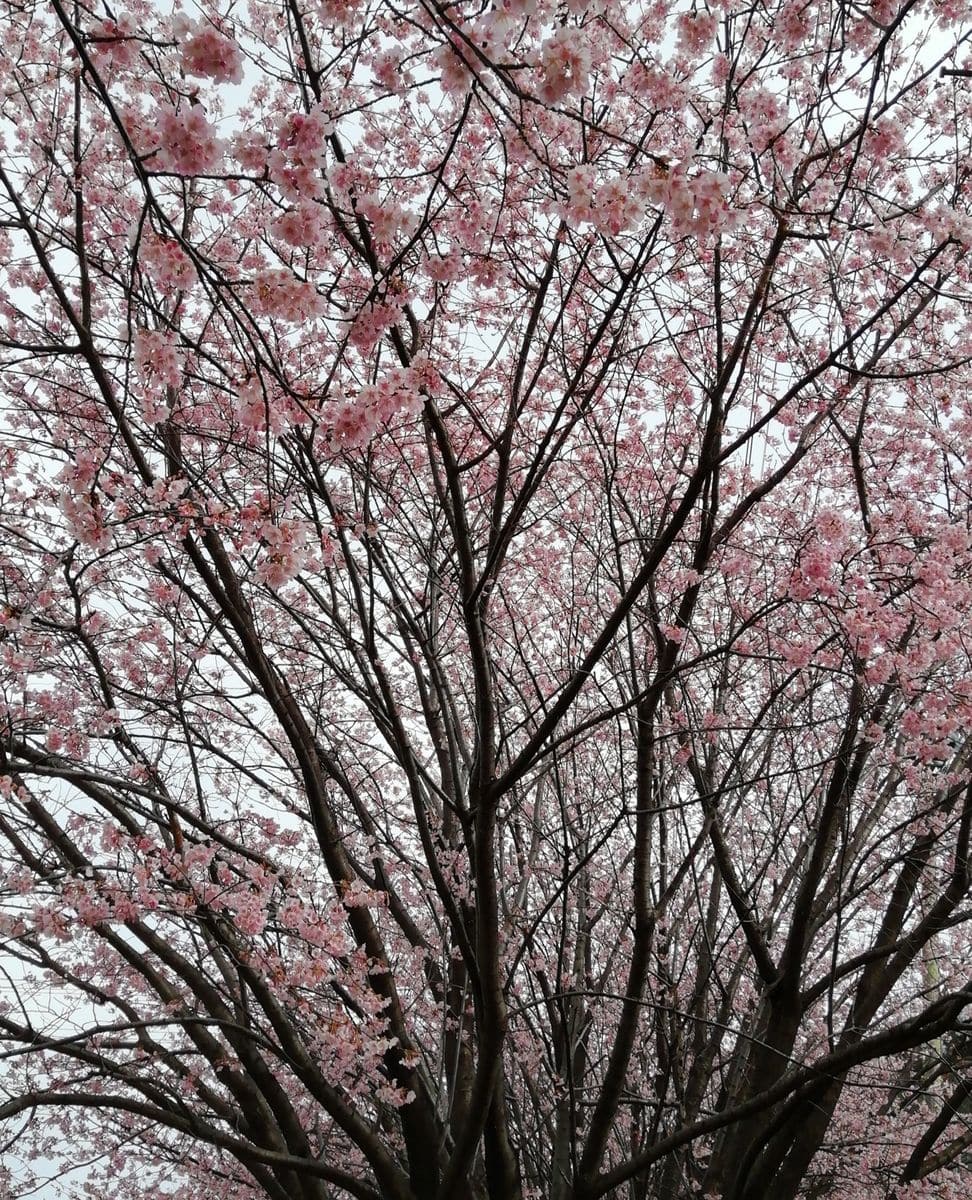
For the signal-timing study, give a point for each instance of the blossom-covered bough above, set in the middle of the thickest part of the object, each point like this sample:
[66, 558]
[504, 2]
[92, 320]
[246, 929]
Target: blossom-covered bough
[486, 576]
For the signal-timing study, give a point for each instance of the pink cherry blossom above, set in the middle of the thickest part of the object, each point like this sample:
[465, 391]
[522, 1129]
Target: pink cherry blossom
[565, 65]
[208, 52]
[187, 142]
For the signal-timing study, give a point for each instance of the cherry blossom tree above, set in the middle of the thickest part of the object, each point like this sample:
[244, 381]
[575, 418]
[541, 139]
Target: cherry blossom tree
[487, 570]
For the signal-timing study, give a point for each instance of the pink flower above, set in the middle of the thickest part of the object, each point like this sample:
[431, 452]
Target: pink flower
[565, 64]
[580, 194]
[296, 162]
[698, 205]
[370, 324]
[518, 9]
[352, 425]
[277, 292]
[453, 60]
[792, 24]
[339, 12]
[355, 422]
[209, 53]
[301, 226]
[250, 150]
[157, 359]
[170, 266]
[114, 44]
[187, 142]
[696, 31]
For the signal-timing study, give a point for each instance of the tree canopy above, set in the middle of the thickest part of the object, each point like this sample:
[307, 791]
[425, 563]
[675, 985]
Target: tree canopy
[486, 576]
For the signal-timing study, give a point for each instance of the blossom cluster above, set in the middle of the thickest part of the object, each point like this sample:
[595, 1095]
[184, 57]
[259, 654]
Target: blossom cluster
[186, 142]
[206, 52]
[356, 421]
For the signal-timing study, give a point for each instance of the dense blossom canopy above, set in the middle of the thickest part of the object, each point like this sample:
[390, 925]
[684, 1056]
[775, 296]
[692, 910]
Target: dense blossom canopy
[486, 573]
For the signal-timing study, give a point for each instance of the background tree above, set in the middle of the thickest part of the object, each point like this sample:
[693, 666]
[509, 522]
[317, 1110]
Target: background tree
[486, 578]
